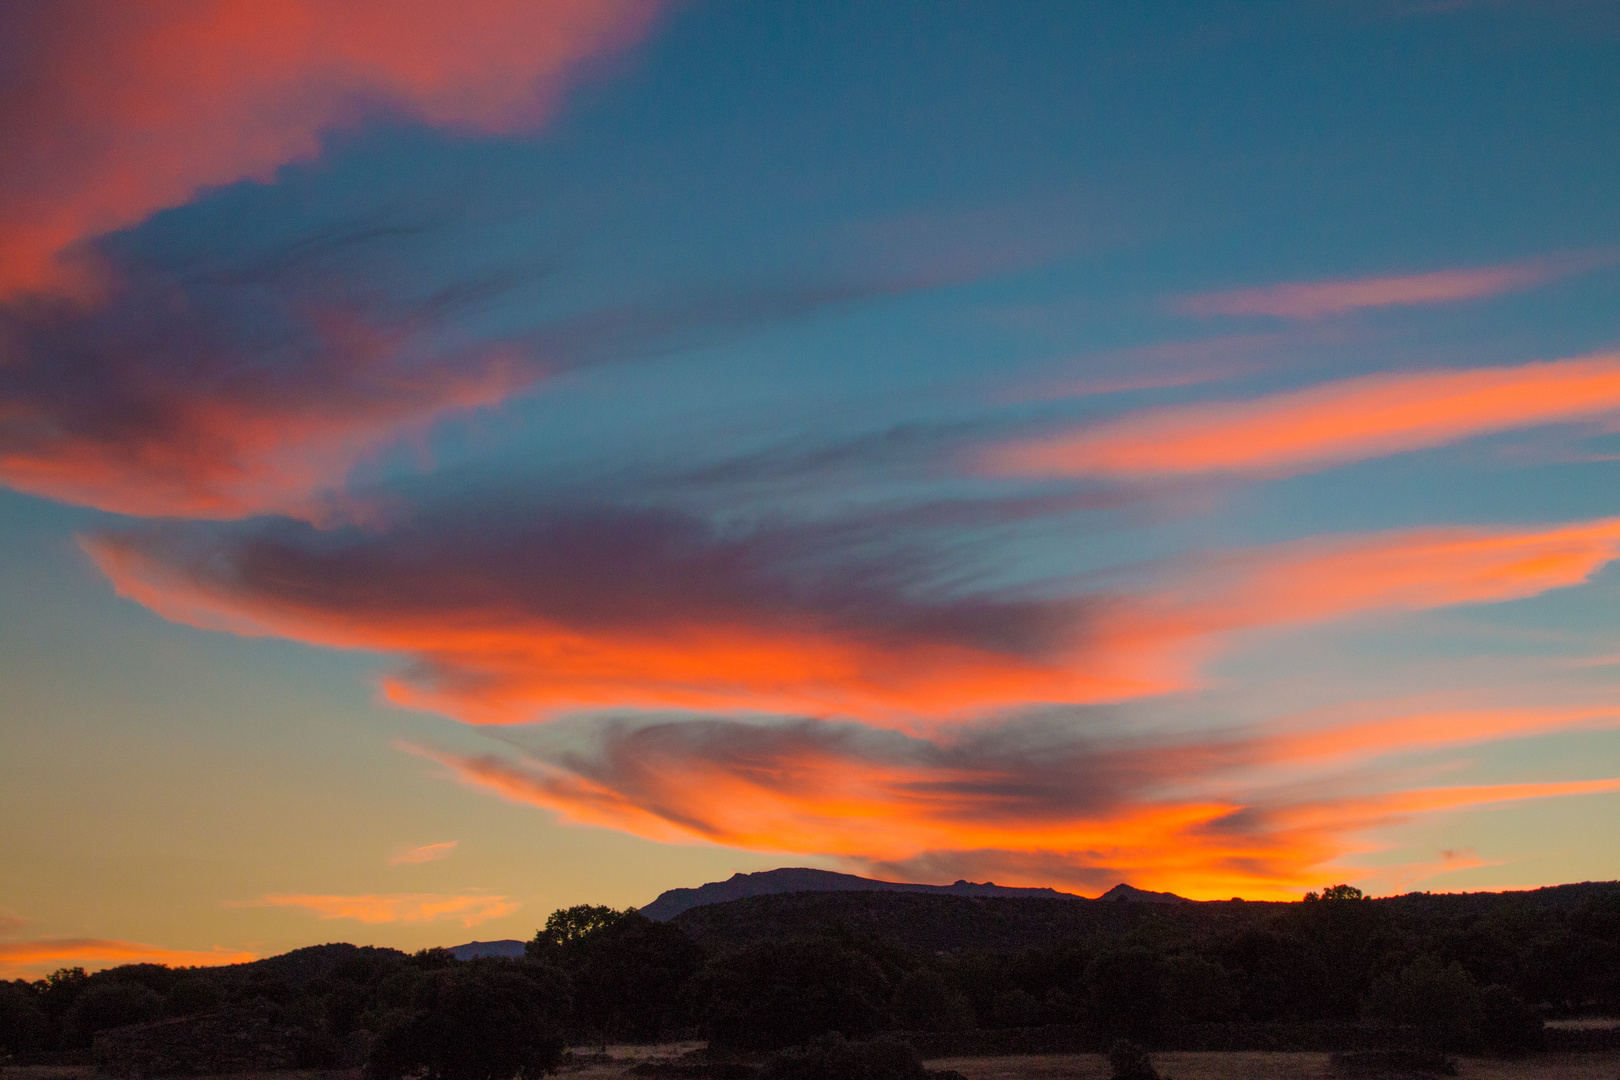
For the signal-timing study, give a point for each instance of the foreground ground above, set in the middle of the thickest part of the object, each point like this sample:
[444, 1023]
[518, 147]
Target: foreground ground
[1178, 1066]
[1263, 1066]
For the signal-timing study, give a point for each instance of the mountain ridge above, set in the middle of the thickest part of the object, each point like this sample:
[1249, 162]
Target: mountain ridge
[792, 879]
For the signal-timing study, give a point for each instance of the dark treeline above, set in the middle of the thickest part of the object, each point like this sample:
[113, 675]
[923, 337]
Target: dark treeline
[1474, 972]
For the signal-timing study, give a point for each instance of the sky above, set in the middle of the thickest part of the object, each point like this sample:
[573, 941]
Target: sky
[460, 461]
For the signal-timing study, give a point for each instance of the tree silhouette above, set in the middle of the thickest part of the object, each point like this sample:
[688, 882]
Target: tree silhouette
[479, 1020]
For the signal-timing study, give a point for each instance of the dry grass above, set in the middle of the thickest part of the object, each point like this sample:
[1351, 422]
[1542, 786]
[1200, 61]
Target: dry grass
[1243, 1065]
[1248, 1065]
[85, 1072]
[1237, 1066]
[1586, 1023]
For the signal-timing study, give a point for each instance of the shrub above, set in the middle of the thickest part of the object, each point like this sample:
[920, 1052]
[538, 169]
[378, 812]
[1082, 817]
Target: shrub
[1015, 1007]
[772, 995]
[1127, 995]
[1509, 1024]
[1131, 1062]
[23, 1026]
[1385, 1063]
[482, 1020]
[1199, 991]
[1442, 1000]
[113, 1004]
[926, 1001]
[832, 1057]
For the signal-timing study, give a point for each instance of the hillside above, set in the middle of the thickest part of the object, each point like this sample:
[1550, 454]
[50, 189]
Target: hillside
[936, 923]
[944, 923]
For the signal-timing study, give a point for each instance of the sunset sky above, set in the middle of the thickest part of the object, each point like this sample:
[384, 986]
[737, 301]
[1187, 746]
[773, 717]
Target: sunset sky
[462, 460]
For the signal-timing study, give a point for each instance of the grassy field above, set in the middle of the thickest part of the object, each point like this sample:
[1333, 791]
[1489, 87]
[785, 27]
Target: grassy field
[1262, 1066]
[1187, 1066]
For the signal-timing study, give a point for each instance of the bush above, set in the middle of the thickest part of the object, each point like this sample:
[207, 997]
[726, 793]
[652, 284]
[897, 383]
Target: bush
[926, 1001]
[1199, 991]
[1509, 1024]
[113, 1004]
[1443, 1001]
[1384, 1063]
[1131, 1062]
[23, 1026]
[832, 1057]
[193, 996]
[1127, 995]
[773, 995]
[482, 1020]
[1015, 1007]
[629, 977]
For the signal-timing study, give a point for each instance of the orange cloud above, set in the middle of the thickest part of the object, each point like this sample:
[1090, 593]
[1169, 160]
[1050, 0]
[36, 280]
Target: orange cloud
[117, 110]
[506, 628]
[1036, 815]
[249, 442]
[1155, 640]
[19, 958]
[425, 853]
[1332, 424]
[513, 619]
[1315, 299]
[471, 909]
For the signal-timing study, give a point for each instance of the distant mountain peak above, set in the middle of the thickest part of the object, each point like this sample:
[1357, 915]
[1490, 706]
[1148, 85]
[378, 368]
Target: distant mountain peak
[1123, 891]
[474, 949]
[792, 879]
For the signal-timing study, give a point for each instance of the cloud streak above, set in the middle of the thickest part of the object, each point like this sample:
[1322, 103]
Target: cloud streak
[1319, 299]
[252, 384]
[1332, 424]
[1024, 803]
[508, 614]
[425, 853]
[115, 110]
[513, 614]
[372, 908]
[206, 395]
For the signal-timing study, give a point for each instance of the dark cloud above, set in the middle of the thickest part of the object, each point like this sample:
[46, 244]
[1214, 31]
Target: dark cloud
[249, 382]
[507, 608]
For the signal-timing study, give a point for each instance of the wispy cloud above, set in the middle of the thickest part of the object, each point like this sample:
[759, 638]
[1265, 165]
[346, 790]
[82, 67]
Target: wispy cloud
[1027, 804]
[1400, 876]
[116, 110]
[35, 957]
[470, 908]
[254, 383]
[1330, 424]
[508, 616]
[517, 612]
[1317, 299]
[203, 394]
[425, 853]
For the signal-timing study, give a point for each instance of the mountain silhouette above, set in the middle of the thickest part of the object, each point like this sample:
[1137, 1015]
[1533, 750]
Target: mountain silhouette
[796, 879]
[475, 949]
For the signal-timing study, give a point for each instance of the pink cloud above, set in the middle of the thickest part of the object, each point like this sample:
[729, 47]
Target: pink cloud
[541, 619]
[425, 853]
[117, 109]
[1316, 299]
[1334, 423]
